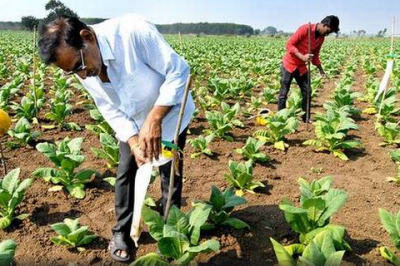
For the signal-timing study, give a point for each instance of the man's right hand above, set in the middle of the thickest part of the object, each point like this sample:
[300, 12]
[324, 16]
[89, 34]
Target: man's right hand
[307, 57]
[134, 147]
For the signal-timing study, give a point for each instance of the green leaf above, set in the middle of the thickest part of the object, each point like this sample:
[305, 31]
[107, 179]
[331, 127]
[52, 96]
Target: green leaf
[61, 229]
[151, 259]
[10, 181]
[283, 257]
[76, 236]
[206, 246]
[110, 180]
[335, 259]
[84, 175]
[236, 223]
[280, 145]
[87, 239]
[173, 247]
[8, 245]
[5, 222]
[22, 216]
[77, 190]
[199, 215]
[56, 188]
[389, 255]
[154, 222]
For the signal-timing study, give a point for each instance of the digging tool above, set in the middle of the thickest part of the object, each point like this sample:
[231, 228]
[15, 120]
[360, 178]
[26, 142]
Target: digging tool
[175, 158]
[308, 77]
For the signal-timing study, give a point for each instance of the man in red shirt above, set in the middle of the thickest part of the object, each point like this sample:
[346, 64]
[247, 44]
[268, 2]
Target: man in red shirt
[297, 55]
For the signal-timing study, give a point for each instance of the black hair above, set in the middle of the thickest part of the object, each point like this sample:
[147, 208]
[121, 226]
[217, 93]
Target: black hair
[63, 30]
[332, 22]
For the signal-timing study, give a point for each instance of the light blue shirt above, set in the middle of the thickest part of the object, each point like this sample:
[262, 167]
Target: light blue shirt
[144, 71]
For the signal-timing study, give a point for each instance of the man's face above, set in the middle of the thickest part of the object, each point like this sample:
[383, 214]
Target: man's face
[325, 30]
[85, 62]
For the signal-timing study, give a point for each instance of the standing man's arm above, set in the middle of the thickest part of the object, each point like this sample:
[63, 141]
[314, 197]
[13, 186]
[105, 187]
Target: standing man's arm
[159, 56]
[297, 37]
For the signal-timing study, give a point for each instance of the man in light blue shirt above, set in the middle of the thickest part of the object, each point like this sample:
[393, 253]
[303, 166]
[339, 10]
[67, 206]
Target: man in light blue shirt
[137, 81]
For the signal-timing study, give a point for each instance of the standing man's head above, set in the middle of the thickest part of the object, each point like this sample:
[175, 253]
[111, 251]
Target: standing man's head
[328, 25]
[71, 45]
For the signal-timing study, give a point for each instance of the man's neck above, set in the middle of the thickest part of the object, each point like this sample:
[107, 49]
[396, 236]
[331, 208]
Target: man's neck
[317, 34]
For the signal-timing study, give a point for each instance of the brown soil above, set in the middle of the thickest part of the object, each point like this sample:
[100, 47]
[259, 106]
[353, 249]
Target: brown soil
[363, 177]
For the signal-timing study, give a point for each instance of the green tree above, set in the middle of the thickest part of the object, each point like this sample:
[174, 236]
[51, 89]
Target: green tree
[270, 30]
[56, 9]
[29, 22]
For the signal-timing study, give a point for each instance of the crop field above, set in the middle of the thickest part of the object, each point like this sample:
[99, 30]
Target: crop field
[319, 190]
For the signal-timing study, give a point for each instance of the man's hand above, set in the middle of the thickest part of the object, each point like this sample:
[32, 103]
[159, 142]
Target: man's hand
[306, 57]
[150, 138]
[150, 133]
[134, 146]
[323, 74]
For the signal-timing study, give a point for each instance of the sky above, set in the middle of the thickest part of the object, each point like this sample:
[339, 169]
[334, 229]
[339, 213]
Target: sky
[286, 15]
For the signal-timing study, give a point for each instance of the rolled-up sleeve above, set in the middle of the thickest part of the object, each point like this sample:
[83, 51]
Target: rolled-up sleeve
[297, 37]
[123, 126]
[159, 56]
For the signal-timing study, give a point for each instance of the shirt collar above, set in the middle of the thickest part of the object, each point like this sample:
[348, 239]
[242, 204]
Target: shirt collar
[104, 45]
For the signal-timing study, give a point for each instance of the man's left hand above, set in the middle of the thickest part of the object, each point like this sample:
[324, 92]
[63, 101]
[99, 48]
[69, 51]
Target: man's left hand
[150, 132]
[323, 74]
[150, 138]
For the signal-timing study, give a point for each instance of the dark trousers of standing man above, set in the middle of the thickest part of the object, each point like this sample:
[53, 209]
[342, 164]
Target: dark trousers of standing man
[125, 185]
[302, 81]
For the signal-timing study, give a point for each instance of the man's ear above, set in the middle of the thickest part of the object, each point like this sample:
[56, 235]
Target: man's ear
[87, 35]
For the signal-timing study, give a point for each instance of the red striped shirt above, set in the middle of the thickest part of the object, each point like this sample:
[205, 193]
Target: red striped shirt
[299, 43]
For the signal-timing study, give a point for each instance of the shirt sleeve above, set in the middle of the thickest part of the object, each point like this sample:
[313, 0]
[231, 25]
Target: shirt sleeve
[123, 126]
[159, 56]
[296, 38]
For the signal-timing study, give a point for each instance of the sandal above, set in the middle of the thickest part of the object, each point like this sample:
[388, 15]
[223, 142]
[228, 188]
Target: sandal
[118, 243]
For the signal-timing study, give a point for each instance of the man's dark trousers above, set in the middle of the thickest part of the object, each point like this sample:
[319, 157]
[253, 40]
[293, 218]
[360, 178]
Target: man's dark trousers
[302, 81]
[125, 185]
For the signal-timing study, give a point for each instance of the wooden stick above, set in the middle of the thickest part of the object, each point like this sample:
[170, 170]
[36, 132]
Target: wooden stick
[393, 33]
[174, 151]
[308, 78]
[34, 72]
[3, 160]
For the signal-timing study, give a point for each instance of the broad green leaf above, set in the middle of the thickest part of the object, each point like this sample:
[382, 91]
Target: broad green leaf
[283, 257]
[236, 223]
[61, 229]
[151, 259]
[206, 246]
[172, 247]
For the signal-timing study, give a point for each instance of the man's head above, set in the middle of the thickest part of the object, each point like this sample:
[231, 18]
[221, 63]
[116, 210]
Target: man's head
[329, 24]
[71, 45]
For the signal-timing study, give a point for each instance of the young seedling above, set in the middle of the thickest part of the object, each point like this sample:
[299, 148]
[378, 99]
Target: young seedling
[277, 127]
[71, 234]
[251, 151]
[240, 176]
[109, 151]
[318, 202]
[223, 203]
[12, 192]
[320, 252]
[66, 156]
[200, 144]
[391, 224]
[178, 238]
[331, 131]
[22, 132]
